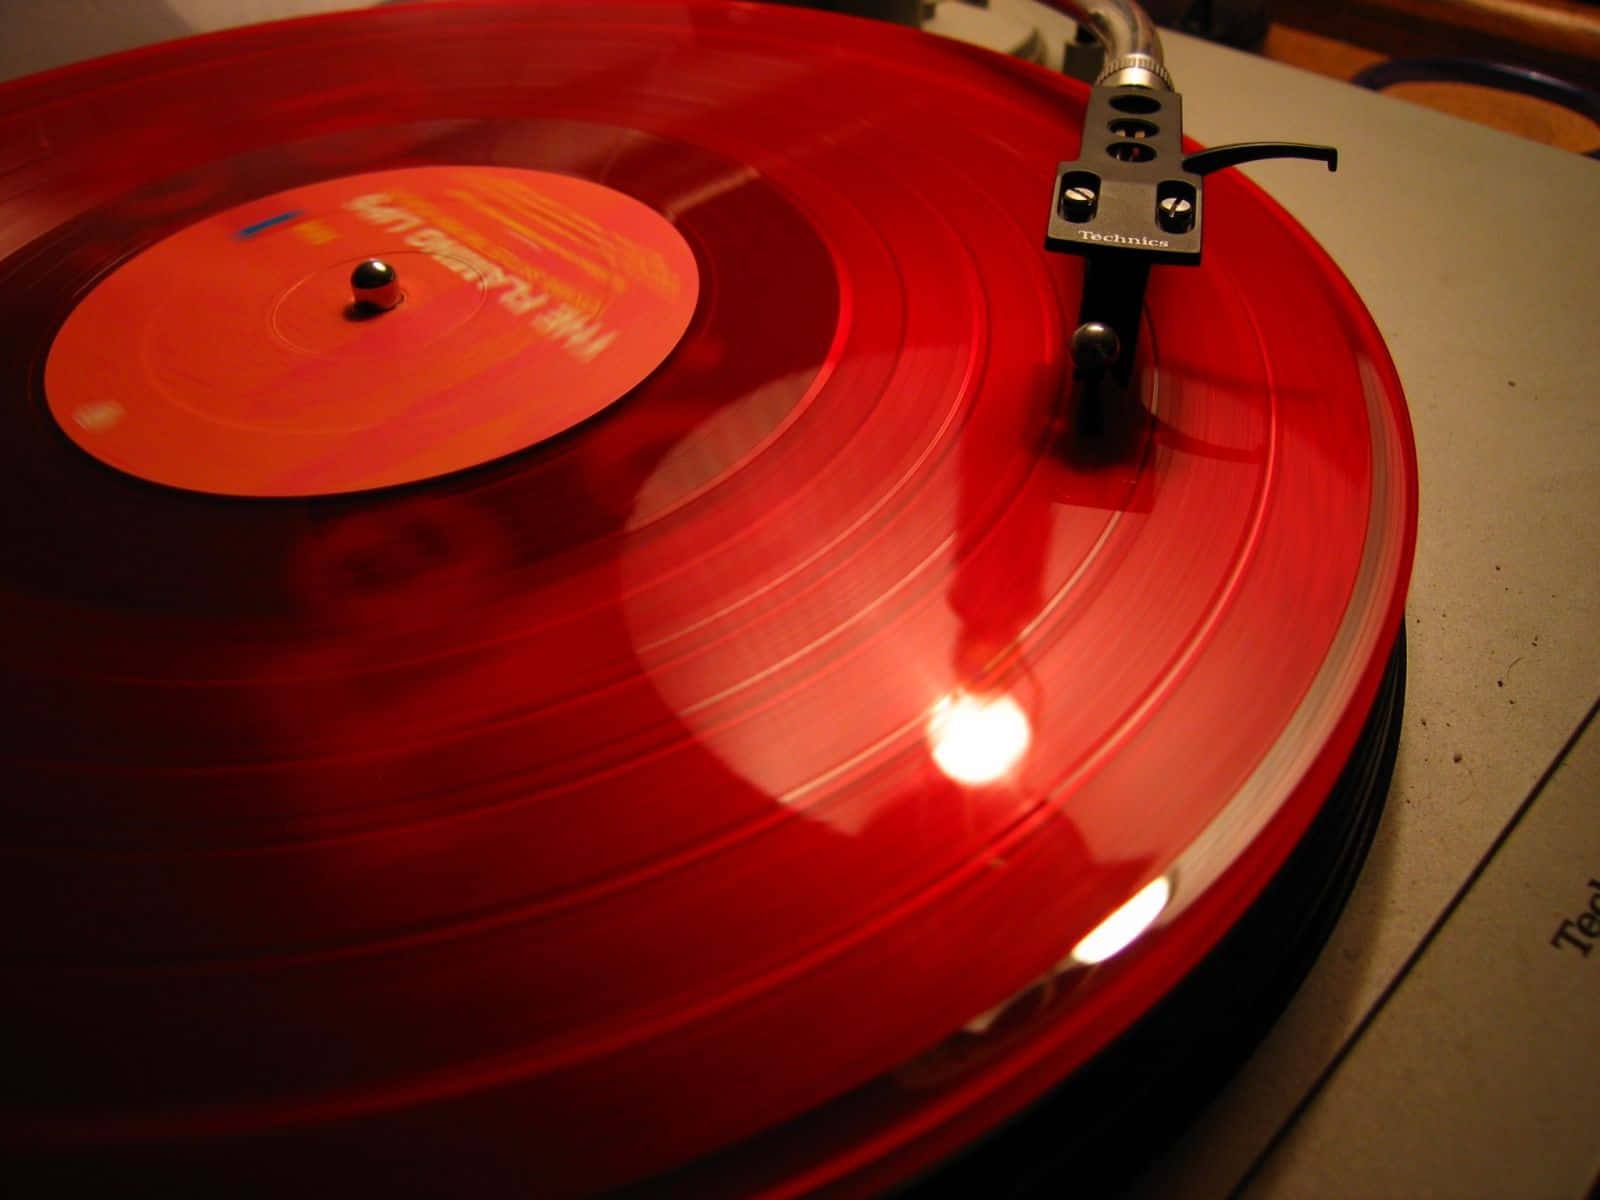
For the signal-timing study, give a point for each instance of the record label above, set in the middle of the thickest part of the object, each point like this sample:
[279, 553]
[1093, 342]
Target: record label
[235, 358]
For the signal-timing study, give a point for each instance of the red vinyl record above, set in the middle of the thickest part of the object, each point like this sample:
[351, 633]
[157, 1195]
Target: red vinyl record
[805, 736]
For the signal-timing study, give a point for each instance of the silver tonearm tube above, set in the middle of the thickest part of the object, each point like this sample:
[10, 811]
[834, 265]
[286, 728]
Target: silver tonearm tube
[1133, 50]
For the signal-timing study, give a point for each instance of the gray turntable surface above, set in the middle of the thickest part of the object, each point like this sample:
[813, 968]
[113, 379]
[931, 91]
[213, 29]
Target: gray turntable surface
[1443, 1045]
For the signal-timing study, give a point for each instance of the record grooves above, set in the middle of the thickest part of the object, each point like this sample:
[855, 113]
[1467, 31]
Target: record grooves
[697, 711]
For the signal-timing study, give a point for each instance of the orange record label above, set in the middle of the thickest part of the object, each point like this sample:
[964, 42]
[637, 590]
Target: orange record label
[233, 357]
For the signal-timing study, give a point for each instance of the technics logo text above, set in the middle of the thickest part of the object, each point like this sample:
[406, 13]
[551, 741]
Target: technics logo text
[1119, 240]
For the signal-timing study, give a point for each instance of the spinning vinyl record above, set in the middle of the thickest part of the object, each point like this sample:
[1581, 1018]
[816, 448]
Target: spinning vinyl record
[558, 626]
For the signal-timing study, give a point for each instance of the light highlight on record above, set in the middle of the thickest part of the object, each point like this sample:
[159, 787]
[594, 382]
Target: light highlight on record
[978, 739]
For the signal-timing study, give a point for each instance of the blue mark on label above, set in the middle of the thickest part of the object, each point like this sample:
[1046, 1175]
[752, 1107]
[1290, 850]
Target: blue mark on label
[252, 230]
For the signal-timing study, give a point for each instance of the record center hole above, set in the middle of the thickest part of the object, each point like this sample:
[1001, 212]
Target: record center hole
[1131, 127]
[1135, 104]
[1131, 151]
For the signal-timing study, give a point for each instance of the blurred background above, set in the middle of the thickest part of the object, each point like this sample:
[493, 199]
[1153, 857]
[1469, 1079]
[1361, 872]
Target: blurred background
[1530, 67]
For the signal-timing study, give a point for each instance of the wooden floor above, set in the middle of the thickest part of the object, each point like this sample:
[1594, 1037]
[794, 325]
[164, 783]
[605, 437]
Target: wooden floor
[1521, 115]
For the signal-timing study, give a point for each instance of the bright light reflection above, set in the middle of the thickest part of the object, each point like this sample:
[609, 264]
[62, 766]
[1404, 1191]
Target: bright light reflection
[978, 739]
[1118, 931]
